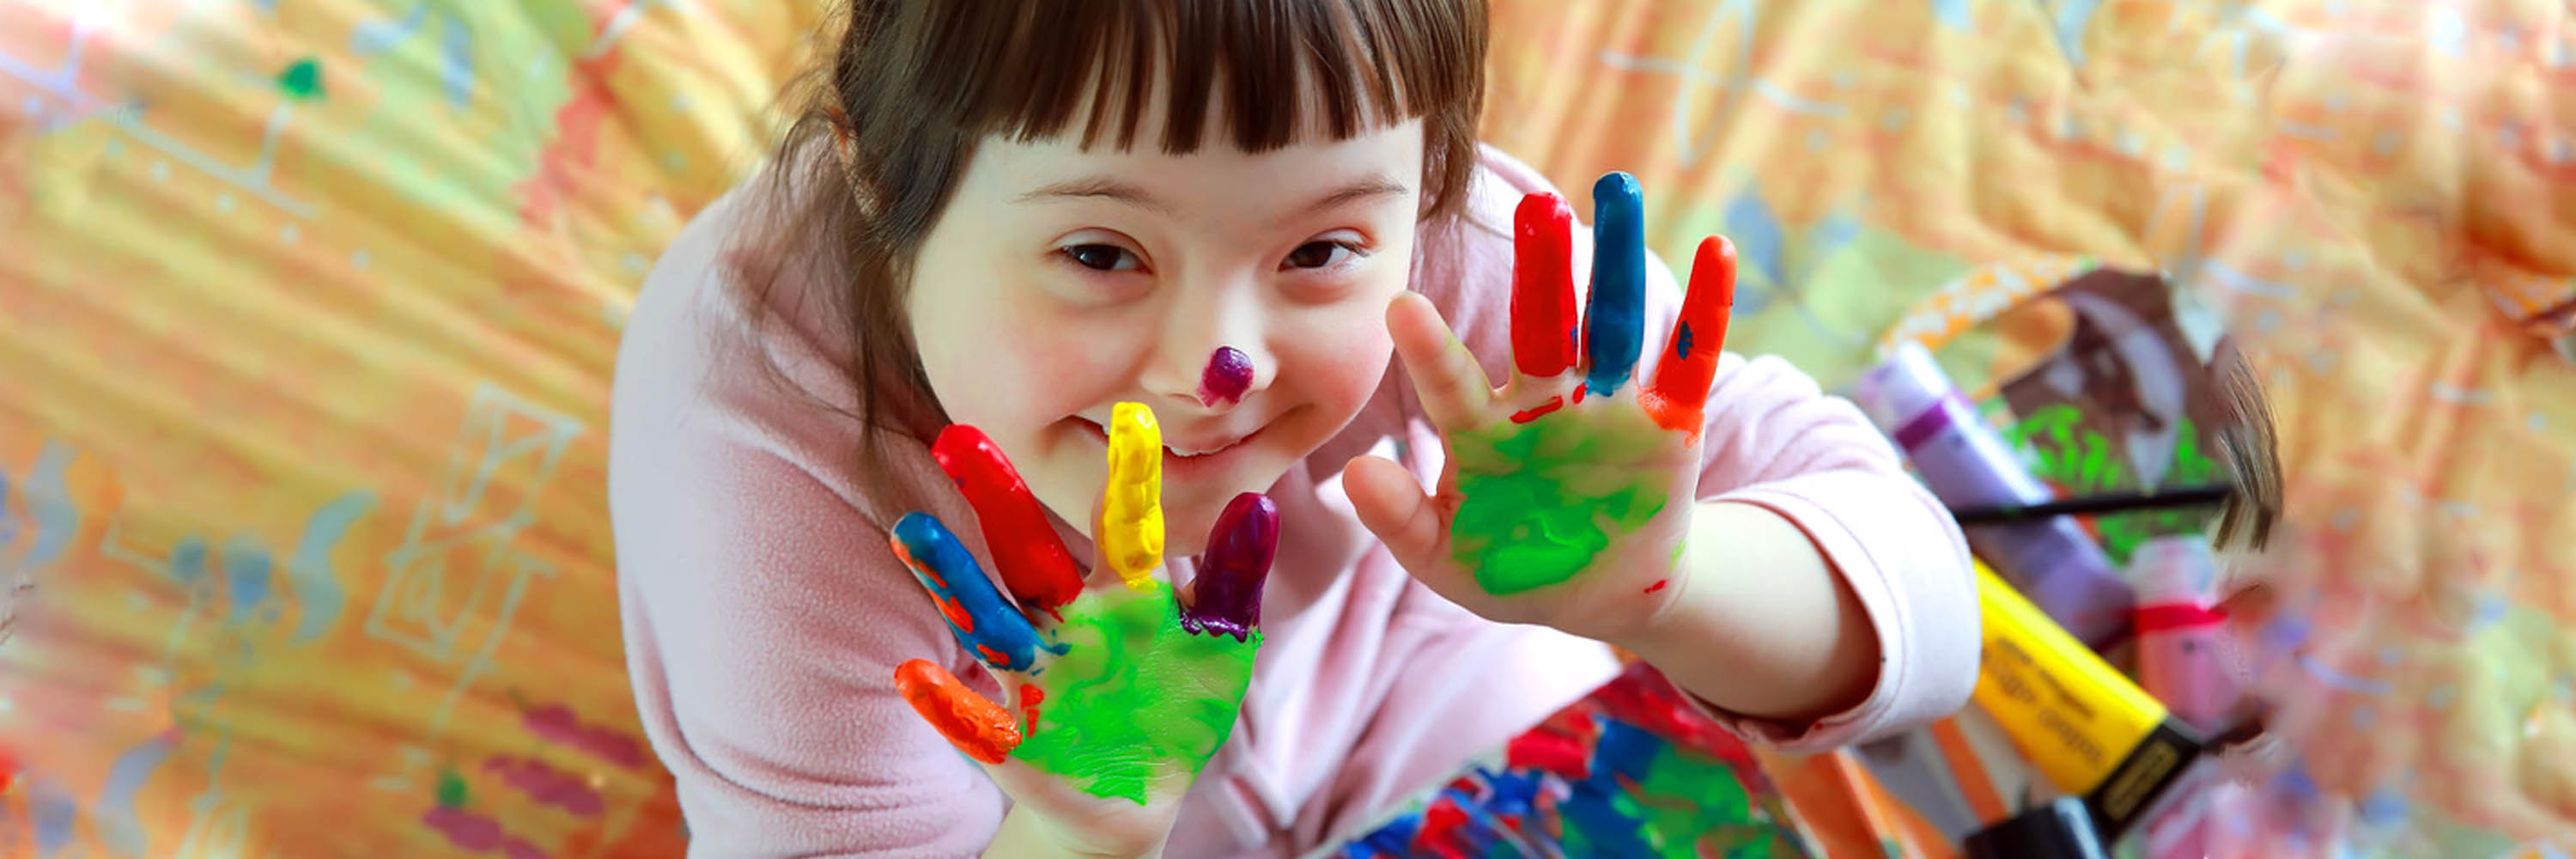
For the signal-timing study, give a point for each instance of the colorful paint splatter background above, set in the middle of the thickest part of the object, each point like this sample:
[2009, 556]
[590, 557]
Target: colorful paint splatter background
[310, 307]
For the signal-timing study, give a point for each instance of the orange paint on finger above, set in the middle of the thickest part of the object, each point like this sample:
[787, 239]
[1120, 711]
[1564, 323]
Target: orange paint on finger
[976, 726]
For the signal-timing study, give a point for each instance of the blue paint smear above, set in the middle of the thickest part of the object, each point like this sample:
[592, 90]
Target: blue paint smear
[457, 72]
[1952, 13]
[1759, 245]
[2073, 16]
[247, 565]
[998, 627]
[112, 818]
[1615, 325]
[49, 500]
[188, 560]
[309, 573]
[53, 811]
[376, 37]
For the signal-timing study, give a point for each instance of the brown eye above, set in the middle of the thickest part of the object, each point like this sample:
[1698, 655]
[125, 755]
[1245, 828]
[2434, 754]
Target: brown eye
[1317, 254]
[1101, 257]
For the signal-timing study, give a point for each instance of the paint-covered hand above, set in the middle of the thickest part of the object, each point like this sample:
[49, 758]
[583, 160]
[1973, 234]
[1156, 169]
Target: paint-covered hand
[1567, 492]
[1117, 693]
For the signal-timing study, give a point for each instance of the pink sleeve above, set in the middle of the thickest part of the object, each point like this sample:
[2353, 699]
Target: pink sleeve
[1776, 440]
[764, 615]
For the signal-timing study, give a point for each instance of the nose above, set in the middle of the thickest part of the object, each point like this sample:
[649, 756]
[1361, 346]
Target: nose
[1213, 355]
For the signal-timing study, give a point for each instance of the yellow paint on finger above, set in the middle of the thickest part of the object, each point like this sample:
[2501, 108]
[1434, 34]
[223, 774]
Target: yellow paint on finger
[1131, 528]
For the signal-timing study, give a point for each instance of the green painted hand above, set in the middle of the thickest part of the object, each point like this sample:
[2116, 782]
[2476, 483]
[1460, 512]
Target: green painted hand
[1566, 493]
[1116, 694]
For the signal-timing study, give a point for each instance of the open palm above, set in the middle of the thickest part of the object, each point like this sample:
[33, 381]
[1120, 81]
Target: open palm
[1116, 693]
[1568, 491]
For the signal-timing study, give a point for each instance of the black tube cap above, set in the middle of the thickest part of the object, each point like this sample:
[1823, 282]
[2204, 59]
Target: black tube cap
[2058, 830]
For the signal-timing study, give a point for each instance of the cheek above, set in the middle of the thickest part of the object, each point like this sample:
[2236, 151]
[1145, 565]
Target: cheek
[1337, 359]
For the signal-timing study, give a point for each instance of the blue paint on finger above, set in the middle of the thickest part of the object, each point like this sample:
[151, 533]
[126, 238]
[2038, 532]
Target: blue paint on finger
[1614, 323]
[985, 624]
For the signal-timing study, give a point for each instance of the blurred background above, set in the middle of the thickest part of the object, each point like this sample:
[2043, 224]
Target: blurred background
[308, 311]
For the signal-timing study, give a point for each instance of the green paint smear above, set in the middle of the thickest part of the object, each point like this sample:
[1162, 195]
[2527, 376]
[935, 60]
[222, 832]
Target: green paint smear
[1538, 504]
[451, 789]
[1135, 699]
[2080, 462]
[302, 81]
[1685, 801]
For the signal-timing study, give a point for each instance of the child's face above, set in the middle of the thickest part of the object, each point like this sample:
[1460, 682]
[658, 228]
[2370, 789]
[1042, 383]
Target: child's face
[1060, 281]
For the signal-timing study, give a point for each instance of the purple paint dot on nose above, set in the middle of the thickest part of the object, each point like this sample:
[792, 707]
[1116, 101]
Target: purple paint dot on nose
[1228, 373]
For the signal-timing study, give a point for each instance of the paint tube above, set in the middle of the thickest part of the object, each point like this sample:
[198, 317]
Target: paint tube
[1966, 463]
[2184, 656]
[2082, 724]
[2059, 830]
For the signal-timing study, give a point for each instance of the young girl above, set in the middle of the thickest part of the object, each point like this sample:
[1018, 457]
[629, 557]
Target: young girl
[1070, 225]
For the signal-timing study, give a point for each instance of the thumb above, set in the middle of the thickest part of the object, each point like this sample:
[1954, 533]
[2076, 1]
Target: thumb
[1390, 501]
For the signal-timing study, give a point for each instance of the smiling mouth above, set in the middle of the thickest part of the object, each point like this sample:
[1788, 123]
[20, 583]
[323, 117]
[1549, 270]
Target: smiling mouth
[1170, 452]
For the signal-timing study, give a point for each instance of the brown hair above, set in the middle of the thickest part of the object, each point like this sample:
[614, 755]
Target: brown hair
[911, 86]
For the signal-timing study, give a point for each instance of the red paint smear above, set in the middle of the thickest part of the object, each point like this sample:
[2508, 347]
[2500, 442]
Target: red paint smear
[574, 153]
[556, 723]
[1439, 833]
[1549, 751]
[1030, 697]
[1530, 414]
[1657, 586]
[547, 785]
[1578, 393]
[464, 828]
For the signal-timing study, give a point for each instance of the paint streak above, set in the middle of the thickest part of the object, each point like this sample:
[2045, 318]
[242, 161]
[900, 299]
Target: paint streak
[1578, 393]
[1031, 559]
[557, 724]
[1533, 413]
[1030, 697]
[246, 569]
[309, 574]
[1614, 326]
[983, 622]
[112, 817]
[1131, 533]
[1537, 505]
[49, 502]
[302, 80]
[452, 791]
[478, 833]
[1657, 586]
[53, 810]
[1228, 596]
[976, 726]
[547, 785]
[1228, 375]
[1543, 314]
[1137, 700]
[1679, 390]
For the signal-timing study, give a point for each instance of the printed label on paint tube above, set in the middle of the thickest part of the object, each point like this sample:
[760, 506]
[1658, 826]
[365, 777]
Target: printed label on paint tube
[2086, 727]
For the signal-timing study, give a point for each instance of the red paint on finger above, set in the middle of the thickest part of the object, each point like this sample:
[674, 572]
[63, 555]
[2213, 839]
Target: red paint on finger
[1530, 414]
[1030, 697]
[1543, 285]
[1032, 561]
[1679, 390]
[978, 727]
[1657, 586]
[1578, 393]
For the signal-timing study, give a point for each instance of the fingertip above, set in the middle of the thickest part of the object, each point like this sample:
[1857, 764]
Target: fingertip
[970, 722]
[1226, 597]
[1540, 213]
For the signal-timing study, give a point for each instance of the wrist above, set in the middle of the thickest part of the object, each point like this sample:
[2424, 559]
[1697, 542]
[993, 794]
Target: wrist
[1025, 832]
[1759, 623]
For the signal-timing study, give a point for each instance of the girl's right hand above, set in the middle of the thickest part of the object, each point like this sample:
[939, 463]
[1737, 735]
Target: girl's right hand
[1116, 695]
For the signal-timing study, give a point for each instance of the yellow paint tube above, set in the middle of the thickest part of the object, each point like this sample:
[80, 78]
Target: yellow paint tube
[2083, 724]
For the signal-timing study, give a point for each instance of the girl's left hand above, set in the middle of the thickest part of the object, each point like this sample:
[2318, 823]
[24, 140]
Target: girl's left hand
[1565, 497]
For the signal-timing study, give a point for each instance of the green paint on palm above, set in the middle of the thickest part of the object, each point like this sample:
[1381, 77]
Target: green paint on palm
[1135, 699]
[1537, 505]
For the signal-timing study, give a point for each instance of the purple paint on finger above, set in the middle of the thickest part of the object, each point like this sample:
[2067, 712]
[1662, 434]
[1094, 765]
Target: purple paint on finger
[1228, 375]
[1228, 598]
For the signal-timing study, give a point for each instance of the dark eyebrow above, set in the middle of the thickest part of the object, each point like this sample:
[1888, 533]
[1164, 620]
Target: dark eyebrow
[1365, 189]
[1101, 187]
[1096, 187]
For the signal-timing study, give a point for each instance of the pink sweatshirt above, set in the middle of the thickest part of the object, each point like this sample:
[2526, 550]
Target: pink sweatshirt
[765, 615]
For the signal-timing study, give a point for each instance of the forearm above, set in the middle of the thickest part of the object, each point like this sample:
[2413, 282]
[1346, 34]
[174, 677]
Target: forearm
[1760, 624]
[1026, 834]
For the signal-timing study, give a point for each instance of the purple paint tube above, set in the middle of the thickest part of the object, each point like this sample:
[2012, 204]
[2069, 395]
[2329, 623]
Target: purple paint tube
[1966, 463]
